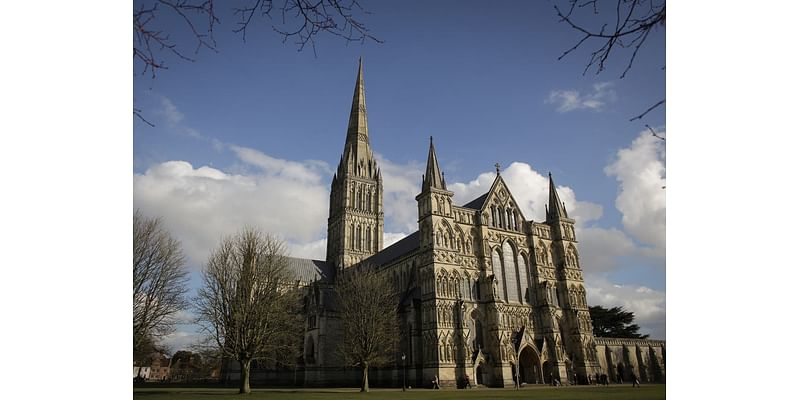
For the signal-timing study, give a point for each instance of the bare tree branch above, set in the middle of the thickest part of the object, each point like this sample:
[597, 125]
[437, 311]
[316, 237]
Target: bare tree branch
[138, 112]
[304, 19]
[150, 41]
[652, 131]
[634, 21]
[648, 110]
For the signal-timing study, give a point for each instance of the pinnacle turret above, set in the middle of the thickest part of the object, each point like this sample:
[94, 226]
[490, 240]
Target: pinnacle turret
[433, 178]
[556, 208]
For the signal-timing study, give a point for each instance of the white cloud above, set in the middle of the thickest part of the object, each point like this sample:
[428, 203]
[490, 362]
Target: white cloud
[390, 238]
[600, 249]
[648, 305]
[170, 112]
[641, 172]
[201, 205]
[181, 339]
[569, 100]
[401, 184]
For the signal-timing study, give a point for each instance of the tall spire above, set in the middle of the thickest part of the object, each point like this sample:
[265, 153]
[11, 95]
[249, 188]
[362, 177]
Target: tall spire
[357, 127]
[433, 179]
[556, 208]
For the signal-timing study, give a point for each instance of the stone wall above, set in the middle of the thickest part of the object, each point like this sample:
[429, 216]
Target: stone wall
[621, 359]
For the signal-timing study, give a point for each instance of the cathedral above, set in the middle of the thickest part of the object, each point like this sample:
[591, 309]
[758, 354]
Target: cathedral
[485, 294]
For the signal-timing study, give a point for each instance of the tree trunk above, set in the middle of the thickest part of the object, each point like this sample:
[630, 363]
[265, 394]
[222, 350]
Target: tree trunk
[244, 380]
[365, 378]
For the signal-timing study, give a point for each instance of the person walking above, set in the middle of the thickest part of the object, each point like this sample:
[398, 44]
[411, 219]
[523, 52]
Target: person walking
[636, 381]
[466, 382]
[435, 382]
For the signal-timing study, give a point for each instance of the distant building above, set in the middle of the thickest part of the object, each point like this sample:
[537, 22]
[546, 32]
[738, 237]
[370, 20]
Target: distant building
[160, 368]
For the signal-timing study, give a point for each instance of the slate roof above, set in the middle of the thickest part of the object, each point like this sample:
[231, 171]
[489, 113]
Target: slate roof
[477, 203]
[306, 270]
[402, 247]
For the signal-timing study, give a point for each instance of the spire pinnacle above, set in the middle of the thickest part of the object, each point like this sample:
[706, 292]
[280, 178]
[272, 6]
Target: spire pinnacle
[357, 126]
[556, 208]
[433, 178]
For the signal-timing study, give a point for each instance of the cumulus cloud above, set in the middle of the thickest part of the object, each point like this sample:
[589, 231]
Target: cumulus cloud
[200, 205]
[642, 200]
[568, 100]
[647, 304]
[601, 249]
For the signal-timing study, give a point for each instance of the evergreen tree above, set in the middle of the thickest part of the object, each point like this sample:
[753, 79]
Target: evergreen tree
[614, 322]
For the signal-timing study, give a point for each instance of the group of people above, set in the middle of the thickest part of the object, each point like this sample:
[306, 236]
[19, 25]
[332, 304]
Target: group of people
[435, 382]
[598, 379]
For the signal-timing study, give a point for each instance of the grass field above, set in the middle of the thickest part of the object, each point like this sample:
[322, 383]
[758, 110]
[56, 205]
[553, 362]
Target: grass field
[621, 392]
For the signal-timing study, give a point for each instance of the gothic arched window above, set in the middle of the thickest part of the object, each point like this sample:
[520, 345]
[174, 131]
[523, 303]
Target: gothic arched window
[510, 270]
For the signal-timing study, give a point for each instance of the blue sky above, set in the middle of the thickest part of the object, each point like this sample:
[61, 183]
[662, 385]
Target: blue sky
[243, 134]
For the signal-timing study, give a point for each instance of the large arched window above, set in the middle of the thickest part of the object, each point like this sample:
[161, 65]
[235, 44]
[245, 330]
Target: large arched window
[509, 267]
[497, 270]
[522, 268]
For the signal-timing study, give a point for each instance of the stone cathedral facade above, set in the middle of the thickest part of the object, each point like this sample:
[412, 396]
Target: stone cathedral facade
[484, 293]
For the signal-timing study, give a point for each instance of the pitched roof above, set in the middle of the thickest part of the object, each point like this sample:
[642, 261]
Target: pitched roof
[306, 270]
[477, 204]
[400, 248]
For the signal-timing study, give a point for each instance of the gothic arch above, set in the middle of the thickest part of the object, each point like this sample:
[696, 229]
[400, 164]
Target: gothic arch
[530, 368]
[511, 270]
[524, 276]
[497, 271]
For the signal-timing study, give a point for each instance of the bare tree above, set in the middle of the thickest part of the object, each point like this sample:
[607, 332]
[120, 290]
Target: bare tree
[248, 303]
[368, 311]
[159, 282]
[626, 29]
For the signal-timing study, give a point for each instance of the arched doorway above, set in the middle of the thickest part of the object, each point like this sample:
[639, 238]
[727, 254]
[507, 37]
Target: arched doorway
[479, 371]
[529, 366]
[547, 372]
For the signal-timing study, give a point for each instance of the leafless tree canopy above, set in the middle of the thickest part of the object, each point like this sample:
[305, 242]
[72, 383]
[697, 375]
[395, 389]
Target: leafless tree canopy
[368, 311]
[626, 30]
[248, 303]
[300, 20]
[159, 281]
[634, 21]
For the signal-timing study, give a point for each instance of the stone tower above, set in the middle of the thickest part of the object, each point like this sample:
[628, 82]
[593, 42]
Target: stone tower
[355, 221]
[573, 330]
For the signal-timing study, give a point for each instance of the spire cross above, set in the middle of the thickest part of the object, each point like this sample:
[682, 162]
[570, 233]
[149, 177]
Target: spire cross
[497, 168]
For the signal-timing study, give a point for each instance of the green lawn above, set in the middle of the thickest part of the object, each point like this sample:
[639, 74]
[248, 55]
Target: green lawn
[614, 392]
